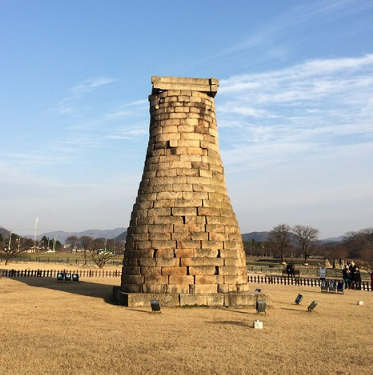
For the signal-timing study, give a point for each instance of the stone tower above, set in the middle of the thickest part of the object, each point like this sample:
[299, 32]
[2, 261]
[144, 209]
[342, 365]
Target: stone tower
[183, 245]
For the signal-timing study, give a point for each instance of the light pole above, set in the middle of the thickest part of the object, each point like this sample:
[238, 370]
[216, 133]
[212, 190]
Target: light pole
[10, 240]
[36, 226]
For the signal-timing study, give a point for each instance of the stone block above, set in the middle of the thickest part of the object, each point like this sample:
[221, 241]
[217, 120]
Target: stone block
[228, 271]
[202, 299]
[195, 150]
[163, 244]
[174, 271]
[158, 212]
[146, 262]
[151, 271]
[208, 211]
[205, 173]
[215, 236]
[234, 262]
[181, 236]
[156, 279]
[159, 236]
[181, 280]
[184, 211]
[175, 288]
[169, 195]
[184, 253]
[188, 203]
[217, 228]
[188, 143]
[167, 262]
[131, 271]
[132, 279]
[223, 288]
[154, 288]
[181, 227]
[196, 223]
[203, 188]
[231, 245]
[186, 128]
[146, 253]
[131, 288]
[199, 236]
[182, 187]
[204, 252]
[216, 279]
[188, 244]
[186, 262]
[203, 288]
[160, 228]
[212, 245]
[212, 204]
[239, 299]
[228, 253]
[139, 237]
[165, 253]
[140, 229]
[186, 172]
[166, 220]
[202, 270]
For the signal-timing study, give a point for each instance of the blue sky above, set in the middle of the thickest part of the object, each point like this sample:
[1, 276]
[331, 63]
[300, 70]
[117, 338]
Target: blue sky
[294, 107]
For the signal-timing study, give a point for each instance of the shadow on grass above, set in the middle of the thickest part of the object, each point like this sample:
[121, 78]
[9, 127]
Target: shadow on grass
[231, 322]
[82, 288]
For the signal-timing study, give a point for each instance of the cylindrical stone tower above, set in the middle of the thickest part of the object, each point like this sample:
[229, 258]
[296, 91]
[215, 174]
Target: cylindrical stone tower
[183, 245]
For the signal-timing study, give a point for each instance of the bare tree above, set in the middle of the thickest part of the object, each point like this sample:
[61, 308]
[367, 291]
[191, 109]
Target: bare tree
[14, 247]
[100, 254]
[85, 242]
[360, 244]
[72, 241]
[280, 238]
[305, 236]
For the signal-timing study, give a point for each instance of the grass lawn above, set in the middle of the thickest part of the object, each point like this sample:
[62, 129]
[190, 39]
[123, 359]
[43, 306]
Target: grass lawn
[49, 327]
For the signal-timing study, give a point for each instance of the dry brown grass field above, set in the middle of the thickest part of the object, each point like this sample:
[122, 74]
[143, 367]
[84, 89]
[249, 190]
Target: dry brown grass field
[56, 328]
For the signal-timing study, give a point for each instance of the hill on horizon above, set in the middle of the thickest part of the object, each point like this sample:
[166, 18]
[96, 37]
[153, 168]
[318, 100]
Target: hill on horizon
[119, 234]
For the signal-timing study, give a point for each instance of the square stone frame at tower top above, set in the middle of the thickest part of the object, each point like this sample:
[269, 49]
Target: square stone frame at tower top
[183, 245]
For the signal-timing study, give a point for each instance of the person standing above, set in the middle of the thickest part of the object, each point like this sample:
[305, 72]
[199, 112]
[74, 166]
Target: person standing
[352, 273]
[346, 276]
[290, 269]
[357, 278]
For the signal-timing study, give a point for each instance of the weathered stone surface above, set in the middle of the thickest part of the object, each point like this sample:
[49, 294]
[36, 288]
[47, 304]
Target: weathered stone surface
[183, 239]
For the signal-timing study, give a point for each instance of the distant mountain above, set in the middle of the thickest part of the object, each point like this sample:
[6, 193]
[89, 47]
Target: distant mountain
[256, 236]
[119, 234]
[263, 236]
[94, 233]
[4, 232]
[332, 240]
[121, 237]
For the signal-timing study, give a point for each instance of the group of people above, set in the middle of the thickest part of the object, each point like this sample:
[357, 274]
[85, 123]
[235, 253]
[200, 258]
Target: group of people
[351, 276]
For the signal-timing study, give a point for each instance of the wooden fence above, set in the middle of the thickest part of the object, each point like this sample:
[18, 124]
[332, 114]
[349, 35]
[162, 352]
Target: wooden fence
[303, 281]
[259, 279]
[53, 273]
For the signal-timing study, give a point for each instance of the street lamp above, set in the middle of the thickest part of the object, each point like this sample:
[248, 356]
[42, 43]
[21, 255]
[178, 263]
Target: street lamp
[36, 225]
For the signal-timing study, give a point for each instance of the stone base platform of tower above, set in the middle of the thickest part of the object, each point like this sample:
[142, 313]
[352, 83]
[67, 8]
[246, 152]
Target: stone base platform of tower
[179, 300]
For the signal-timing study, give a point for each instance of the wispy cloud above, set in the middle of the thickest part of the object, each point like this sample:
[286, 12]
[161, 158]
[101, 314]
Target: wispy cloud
[303, 108]
[68, 105]
[90, 85]
[128, 133]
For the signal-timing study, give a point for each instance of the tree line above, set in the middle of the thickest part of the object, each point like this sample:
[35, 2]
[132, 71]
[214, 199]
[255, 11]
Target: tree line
[99, 250]
[302, 241]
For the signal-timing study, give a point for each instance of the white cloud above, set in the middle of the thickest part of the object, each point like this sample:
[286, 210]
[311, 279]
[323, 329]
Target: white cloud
[90, 85]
